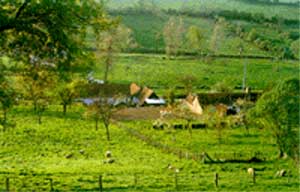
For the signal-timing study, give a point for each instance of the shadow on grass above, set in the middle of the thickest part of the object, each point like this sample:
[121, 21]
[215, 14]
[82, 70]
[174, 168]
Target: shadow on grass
[27, 112]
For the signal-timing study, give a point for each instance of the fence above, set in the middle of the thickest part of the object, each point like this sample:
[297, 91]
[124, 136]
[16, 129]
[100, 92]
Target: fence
[170, 181]
[201, 157]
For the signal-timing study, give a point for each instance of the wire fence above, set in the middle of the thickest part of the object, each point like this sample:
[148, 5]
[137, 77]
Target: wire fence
[170, 181]
[228, 157]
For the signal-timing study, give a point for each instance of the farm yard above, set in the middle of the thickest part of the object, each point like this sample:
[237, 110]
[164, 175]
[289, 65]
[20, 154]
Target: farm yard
[161, 95]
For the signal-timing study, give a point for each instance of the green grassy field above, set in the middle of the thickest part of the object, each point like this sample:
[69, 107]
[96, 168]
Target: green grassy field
[31, 154]
[154, 71]
[69, 151]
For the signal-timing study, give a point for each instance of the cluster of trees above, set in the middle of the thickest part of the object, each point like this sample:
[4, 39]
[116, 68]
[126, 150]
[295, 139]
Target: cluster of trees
[282, 46]
[272, 2]
[46, 43]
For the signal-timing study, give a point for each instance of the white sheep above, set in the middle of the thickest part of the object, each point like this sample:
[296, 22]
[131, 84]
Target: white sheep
[251, 171]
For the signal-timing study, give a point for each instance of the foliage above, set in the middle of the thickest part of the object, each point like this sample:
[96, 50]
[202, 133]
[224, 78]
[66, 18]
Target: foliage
[102, 110]
[217, 34]
[37, 84]
[68, 91]
[173, 35]
[278, 110]
[7, 96]
[112, 42]
[188, 81]
[295, 46]
[195, 38]
[51, 30]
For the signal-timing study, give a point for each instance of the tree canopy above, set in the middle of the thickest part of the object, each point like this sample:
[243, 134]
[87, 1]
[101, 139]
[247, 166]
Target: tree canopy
[278, 110]
[49, 30]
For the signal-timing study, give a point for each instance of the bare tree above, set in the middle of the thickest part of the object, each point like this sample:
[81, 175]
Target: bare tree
[112, 42]
[102, 110]
[217, 35]
[173, 35]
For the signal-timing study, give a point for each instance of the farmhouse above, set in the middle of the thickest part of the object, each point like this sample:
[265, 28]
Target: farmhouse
[122, 94]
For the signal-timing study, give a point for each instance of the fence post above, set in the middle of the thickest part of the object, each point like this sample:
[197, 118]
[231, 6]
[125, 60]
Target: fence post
[176, 180]
[254, 177]
[100, 183]
[7, 184]
[217, 180]
[51, 184]
[135, 180]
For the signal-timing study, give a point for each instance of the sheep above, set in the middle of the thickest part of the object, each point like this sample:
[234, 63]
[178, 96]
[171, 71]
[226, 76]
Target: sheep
[251, 171]
[108, 157]
[108, 154]
[172, 168]
[281, 173]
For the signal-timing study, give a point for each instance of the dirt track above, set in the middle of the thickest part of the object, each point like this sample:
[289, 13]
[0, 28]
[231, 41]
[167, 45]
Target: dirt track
[139, 113]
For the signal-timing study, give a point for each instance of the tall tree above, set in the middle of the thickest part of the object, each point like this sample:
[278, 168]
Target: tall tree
[217, 35]
[194, 37]
[173, 35]
[279, 110]
[112, 42]
[52, 30]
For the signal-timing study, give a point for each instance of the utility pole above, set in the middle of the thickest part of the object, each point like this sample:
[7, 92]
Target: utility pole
[241, 50]
[245, 74]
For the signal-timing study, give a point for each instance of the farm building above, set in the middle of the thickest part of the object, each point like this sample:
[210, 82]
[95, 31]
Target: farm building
[118, 94]
[192, 102]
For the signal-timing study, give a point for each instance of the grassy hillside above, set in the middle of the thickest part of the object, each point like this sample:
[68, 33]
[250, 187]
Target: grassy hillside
[208, 5]
[148, 33]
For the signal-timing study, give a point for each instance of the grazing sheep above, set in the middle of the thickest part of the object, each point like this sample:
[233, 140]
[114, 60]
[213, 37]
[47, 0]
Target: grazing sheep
[108, 157]
[172, 168]
[251, 171]
[108, 154]
[281, 173]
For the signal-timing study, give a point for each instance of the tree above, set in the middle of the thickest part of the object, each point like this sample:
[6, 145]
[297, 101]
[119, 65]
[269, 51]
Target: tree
[67, 92]
[52, 30]
[194, 38]
[101, 110]
[188, 81]
[278, 110]
[252, 35]
[112, 42]
[295, 46]
[37, 84]
[217, 35]
[173, 35]
[7, 96]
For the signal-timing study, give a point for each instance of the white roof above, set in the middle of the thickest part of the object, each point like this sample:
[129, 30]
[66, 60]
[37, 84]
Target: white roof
[155, 101]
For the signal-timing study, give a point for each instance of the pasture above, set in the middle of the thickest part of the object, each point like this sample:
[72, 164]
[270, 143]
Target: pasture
[44, 149]
[70, 152]
[159, 73]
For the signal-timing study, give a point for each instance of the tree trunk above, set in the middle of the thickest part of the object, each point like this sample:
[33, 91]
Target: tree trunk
[4, 120]
[39, 117]
[280, 154]
[4, 117]
[107, 132]
[96, 121]
[189, 128]
[65, 109]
